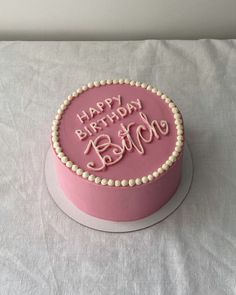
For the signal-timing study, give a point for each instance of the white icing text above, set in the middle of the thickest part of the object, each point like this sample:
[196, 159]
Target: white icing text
[118, 112]
[109, 153]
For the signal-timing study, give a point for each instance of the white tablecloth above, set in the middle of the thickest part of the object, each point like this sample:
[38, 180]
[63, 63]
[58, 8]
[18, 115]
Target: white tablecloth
[42, 251]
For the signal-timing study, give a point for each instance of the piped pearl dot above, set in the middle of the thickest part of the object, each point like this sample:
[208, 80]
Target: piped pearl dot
[167, 100]
[131, 182]
[144, 85]
[169, 163]
[58, 116]
[154, 90]
[177, 148]
[61, 155]
[54, 128]
[64, 159]
[179, 126]
[66, 102]
[180, 137]
[90, 85]
[91, 177]
[69, 97]
[117, 182]
[159, 93]
[96, 83]
[55, 122]
[163, 96]
[172, 158]
[137, 84]
[79, 171]
[138, 181]
[121, 81]
[165, 166]
[79, 90]
[150, 177]
[55, 136]
[124, 182]
[171, 105]
[58, 149]
[110, 182]
[174, 110]
[62, 108]
[144, 179]
[59, 111]
[85, 174]
[160, 170]
[178, 123]
[127, 81]
[115, 81]
[180, 132]
[175, 153]
[85, 87]
[55, 139]
[56, 144]
[177, 116]
[132, 83]
[109, 82]
[69, 164]
[97, 180]
[74, 94]
[155, 174]
[149, 87]
[55, 133]
[104, 181]
[74, 167]
[179, 143]
[102, 82]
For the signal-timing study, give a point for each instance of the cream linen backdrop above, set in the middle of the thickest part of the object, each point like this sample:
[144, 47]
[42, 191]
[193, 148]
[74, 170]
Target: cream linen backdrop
[42, 251]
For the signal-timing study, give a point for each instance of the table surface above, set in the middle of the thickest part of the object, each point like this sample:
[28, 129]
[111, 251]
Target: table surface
[42, 251]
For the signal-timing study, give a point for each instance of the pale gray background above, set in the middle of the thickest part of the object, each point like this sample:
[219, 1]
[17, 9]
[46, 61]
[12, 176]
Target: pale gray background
[42, 251]
[116, 19]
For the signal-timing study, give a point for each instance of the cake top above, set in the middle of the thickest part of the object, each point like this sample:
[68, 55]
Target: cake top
[118, 132]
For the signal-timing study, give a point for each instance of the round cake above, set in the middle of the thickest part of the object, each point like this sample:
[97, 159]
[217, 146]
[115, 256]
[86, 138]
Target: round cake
[118, 149]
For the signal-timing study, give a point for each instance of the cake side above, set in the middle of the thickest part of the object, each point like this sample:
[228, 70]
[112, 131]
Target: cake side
[123, 203]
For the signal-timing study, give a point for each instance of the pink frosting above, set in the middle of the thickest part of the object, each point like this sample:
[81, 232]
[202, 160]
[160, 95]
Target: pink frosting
[132, 164]
[150, 150]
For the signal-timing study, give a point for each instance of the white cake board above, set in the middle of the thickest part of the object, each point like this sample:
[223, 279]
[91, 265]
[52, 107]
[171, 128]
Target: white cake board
[112, 226]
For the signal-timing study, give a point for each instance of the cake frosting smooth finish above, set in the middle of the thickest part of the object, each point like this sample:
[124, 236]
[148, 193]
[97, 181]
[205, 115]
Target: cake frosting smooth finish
[118, 148]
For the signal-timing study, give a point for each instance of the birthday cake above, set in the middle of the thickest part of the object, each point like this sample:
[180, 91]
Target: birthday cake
[118, 149]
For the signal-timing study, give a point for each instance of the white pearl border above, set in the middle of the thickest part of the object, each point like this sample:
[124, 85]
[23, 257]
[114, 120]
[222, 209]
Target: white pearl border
[123, 182]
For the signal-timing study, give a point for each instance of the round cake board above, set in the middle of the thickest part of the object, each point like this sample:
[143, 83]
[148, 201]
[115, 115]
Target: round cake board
[112, 226]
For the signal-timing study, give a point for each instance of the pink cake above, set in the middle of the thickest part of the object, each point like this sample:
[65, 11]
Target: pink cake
[118, 147]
